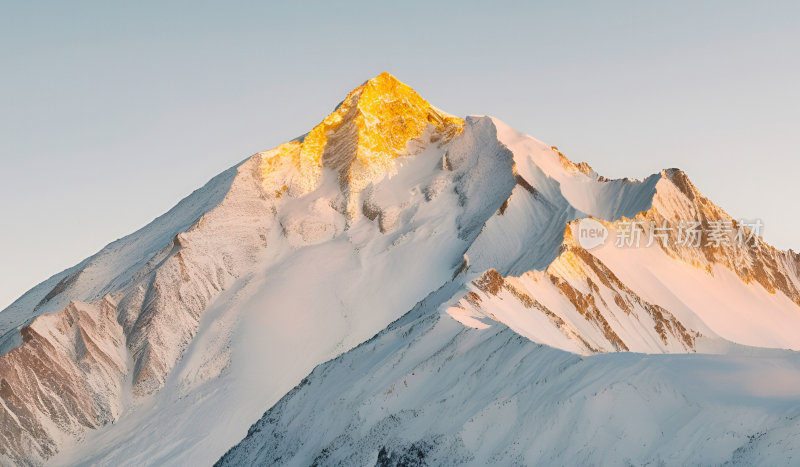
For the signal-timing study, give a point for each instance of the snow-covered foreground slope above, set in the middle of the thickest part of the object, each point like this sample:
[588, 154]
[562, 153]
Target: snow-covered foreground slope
[430, 391]
[168, 344]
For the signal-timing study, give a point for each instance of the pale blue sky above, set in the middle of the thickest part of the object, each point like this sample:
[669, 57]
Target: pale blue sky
[111, 113]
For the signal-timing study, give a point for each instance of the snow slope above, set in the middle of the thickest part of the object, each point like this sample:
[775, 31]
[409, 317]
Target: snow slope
[112, 267]
[430, 391]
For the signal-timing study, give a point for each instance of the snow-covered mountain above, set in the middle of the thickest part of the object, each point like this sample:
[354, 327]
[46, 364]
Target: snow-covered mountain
[167, 345]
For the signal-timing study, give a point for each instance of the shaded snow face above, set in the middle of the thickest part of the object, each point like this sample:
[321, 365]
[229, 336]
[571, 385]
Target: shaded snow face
[430, 389]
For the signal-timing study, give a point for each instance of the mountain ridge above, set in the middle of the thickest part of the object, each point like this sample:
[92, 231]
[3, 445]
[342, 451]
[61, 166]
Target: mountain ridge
[193, 313]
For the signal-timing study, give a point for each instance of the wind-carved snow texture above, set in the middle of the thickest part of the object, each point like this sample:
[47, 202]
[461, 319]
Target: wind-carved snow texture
[167, 345]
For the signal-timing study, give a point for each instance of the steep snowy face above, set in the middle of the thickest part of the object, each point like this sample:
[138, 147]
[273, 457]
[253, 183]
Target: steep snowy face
[385, 185]
[527, 231]
[114, 266]
[757, 262]
[746, 292]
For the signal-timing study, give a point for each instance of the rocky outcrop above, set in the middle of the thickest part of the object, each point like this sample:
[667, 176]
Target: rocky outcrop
[66, 377]
[582, 300]
[753, 260]
[74, 366]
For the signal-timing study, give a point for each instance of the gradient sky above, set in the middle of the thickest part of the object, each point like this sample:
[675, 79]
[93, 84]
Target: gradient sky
[111, 113]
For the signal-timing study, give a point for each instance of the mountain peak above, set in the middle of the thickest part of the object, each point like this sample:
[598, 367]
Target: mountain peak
[383, 79]
[378, 121]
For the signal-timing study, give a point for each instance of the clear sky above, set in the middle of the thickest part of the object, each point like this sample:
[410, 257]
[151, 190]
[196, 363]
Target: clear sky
[110, 113]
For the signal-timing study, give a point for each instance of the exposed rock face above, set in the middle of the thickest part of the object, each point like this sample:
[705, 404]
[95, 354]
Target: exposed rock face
[581, 299]
[572, 167]
[754, 260]
[73, 366]
[64, 378]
